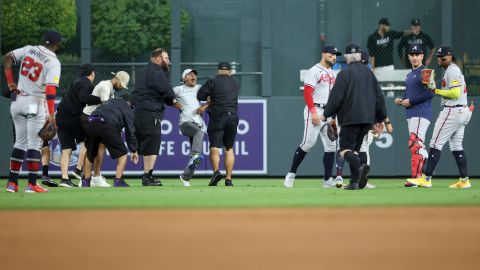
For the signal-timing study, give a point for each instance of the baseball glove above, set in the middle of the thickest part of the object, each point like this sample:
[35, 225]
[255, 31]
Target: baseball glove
[332, 130]
[48, 131]
[428, 78]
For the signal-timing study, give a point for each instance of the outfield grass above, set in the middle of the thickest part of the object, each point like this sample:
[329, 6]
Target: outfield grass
[246, 193]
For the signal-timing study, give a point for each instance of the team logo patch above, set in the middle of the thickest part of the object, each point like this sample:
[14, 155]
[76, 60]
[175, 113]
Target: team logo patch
[454, 83]
[56, 79]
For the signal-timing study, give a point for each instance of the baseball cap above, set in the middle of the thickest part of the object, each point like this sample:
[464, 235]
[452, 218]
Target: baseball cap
[415, 22]
[224, 66]
[384, 21]
[365, 57]
[52, 37]
[415, 49]
[332, 50]
[86, 70]
[444, 50]
[123, 77]
[188, 70]
[352, 48]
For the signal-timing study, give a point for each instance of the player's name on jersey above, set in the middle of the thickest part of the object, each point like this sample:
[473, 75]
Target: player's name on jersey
[39, 54]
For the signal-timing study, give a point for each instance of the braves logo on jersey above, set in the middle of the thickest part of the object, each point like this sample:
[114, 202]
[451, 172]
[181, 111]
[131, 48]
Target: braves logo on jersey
[321, 80]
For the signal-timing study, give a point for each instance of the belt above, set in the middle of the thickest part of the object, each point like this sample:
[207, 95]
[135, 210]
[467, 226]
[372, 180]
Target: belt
[454, 106]
[96, 118]
[318, 105]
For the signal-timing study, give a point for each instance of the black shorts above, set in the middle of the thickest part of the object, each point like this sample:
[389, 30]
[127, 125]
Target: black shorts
[351, 136]
[109, 135]
[222, 130]
[148, 130]
[69, 131]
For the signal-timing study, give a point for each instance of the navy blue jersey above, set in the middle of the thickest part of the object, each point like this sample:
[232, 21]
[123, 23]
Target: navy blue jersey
[420, 97]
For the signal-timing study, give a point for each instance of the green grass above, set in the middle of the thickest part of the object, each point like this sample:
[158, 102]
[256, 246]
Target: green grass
[247, 193]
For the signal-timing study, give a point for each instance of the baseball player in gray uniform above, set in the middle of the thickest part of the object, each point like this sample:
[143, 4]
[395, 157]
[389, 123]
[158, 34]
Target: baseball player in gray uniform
[318, 83]
[32, 104]
[191, 121]
[451, 123]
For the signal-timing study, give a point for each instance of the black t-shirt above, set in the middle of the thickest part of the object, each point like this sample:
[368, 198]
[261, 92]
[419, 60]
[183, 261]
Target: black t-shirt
[422, 39]
[382, 47]
[78, 95]
[223, 91]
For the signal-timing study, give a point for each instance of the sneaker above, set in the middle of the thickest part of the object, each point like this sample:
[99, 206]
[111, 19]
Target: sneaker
[185, 182]
[194, 161]
[216, 177]
[363, 176]
[462, 183]
[329, 183]
[187, 174]
[351, 187]
[228, 183]
[77, 174]
[12, 187]
[150, 181]
[48, 182]
[67, 183]
[99, 181]
[289, 179]
[120, 183]
[370, 185]
[86, 182]
[35, 189]
[420, 182]
[339, 182]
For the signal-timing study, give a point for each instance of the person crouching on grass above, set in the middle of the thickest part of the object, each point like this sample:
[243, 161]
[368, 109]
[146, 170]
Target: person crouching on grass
[105, 126]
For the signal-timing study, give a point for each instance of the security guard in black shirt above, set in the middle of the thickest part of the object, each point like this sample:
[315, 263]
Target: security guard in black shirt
[152, 91]
[222, 91]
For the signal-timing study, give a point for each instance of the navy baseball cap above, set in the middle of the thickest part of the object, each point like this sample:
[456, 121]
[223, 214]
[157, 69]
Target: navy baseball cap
[352, 48]
[332, 50]
[415, 49]
[444, 50]
[224, 66]
[365, 57]
[52, 37]
[384, 21]
[415, 22]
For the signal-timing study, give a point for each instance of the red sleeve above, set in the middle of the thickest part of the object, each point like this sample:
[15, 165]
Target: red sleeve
[9, 75]
[51, 91]
[307, 96]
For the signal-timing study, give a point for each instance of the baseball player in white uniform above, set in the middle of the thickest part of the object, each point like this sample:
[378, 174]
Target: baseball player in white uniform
[318, 83]
[191, 121]
[32, 104]
[105, 90]
[450, 124]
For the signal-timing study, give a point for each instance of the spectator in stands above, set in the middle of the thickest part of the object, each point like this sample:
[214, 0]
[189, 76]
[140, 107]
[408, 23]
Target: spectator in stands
[416, 37]
[380, 46]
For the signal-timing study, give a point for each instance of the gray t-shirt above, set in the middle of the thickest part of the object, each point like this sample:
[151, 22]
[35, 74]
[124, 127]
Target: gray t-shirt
[187, 97]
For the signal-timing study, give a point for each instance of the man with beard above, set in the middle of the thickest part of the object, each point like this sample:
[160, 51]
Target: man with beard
[105, 91]
[152, 91]
[191, 122]
[380, 46]
[319, 81]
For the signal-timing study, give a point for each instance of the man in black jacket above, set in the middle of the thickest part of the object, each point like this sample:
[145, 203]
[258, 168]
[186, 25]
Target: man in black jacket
[70, 131]
[357, 101]
[222, 90]
[105, 126]
[152, 91]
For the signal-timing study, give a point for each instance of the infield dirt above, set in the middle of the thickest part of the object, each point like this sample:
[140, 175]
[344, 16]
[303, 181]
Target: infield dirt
[293, 238]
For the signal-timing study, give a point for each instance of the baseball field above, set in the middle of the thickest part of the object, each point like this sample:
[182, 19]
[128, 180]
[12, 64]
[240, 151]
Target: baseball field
[258, 224]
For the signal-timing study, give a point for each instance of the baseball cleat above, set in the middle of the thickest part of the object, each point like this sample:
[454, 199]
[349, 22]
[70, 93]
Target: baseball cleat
[329, 183]
[12, 187]
[185, 182]
[48, 182]
[67, 183]
[35, 189]
[99, 181]
[363, 176]
[462, 183]
[216, 177]
[339, 182]
[289, 180]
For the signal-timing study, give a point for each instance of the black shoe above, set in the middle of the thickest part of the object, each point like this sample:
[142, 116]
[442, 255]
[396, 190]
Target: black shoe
[150, 182]
[216, 177]
[363, 176]
[351, 186]
[67, 183]
[228, 183]
[77, 174]
[48, 182]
